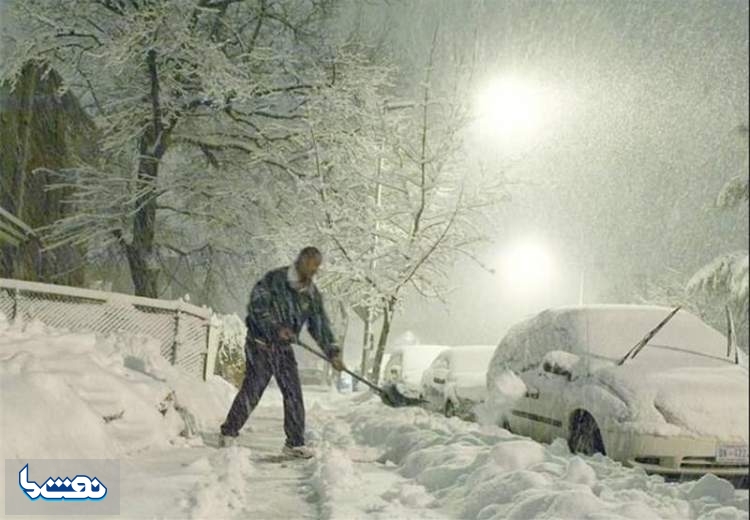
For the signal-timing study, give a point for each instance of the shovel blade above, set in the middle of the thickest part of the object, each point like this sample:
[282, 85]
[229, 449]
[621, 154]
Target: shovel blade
[391, 396]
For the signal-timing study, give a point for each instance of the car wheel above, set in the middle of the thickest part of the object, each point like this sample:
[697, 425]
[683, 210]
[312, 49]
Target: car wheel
[585, 437]
[450, 410]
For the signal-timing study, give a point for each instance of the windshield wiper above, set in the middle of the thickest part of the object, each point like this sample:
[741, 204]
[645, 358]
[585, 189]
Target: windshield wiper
[731, 337]
[639, 346]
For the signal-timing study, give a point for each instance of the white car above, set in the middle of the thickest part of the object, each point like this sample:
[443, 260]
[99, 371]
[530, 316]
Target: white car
[678, 405]
[406, 365]
[456, 381]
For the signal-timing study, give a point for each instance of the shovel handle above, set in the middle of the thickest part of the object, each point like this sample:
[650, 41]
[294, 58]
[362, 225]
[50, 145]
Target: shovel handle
[324, 358]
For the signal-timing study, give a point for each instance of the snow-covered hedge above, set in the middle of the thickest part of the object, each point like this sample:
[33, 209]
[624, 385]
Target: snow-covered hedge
[230, 360]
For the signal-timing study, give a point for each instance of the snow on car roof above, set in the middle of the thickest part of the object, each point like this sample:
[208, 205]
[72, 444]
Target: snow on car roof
[415, 359]
[469, 358]
[418, 354]
[607, 331]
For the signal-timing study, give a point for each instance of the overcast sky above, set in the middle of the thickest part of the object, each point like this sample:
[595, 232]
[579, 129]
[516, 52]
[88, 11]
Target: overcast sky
[649, 95]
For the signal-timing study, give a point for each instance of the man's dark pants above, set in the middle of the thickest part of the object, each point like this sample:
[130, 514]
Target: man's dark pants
[262, 362]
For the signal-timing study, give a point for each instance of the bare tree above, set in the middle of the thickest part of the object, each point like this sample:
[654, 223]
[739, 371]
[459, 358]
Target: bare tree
[398, 208]
[222, 83]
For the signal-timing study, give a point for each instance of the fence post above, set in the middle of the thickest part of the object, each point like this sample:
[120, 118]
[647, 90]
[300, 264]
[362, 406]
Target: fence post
[212, 348]
[176, 343]
[15, 304]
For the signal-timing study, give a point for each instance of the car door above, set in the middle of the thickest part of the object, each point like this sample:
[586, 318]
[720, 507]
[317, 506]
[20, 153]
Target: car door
[541, 410]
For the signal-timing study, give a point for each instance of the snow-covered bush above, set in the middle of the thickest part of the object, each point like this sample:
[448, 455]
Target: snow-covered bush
[230, 358]
[727, 274]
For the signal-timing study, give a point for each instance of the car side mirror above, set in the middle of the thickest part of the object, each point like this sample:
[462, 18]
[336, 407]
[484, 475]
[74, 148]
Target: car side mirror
[560, 363]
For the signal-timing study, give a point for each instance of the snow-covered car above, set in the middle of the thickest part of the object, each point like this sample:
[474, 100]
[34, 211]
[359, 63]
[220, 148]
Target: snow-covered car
[455, 382]
[406, 365]
[672, 400]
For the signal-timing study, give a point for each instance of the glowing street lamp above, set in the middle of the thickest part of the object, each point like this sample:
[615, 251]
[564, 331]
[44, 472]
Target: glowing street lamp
[527, 265]
[514, 109]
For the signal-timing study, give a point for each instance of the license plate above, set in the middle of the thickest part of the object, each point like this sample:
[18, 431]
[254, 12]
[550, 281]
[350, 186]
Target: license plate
[732, 454]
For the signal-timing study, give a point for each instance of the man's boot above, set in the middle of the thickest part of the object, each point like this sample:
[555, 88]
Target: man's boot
[298, 452]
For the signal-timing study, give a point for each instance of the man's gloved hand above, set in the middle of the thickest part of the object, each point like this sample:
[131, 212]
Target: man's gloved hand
[337, 362]
[285, 334]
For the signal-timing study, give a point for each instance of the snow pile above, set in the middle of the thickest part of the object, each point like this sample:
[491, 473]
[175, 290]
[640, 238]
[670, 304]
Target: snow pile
[207, 402]
[347, 481]
[221, 489]
[334, 480]
[489, 473]
[68, 395]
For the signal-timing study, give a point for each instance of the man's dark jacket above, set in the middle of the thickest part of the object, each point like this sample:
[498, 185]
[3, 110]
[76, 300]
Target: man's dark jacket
[275, 304]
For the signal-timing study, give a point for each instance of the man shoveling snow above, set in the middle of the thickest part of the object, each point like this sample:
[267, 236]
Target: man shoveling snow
[281, 303]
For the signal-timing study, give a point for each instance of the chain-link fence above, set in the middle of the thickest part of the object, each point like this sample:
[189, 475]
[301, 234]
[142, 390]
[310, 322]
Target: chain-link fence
[186, 333]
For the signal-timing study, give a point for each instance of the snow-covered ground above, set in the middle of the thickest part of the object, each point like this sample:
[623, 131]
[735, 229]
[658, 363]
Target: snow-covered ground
[67, 395]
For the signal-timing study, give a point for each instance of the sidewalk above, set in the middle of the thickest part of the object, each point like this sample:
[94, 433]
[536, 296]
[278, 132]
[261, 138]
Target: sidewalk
[205, 482]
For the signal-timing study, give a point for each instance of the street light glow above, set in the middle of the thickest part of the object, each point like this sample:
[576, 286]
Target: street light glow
[527, 265]
[510, 107]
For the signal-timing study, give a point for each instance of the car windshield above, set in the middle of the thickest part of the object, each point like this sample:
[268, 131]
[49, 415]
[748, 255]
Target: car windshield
[610, 332]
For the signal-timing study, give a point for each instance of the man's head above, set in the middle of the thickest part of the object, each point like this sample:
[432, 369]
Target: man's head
[307, 264]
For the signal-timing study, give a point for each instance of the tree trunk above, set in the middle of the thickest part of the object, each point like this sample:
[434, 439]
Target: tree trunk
[366, 341]
[382, 340]
[342, 326]
[141, 252]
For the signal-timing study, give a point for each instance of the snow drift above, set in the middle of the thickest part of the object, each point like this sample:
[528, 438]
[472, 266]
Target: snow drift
[72, 395]
[484, 473]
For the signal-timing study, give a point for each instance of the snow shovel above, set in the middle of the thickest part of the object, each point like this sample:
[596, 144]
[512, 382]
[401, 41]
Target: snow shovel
[389, 394]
